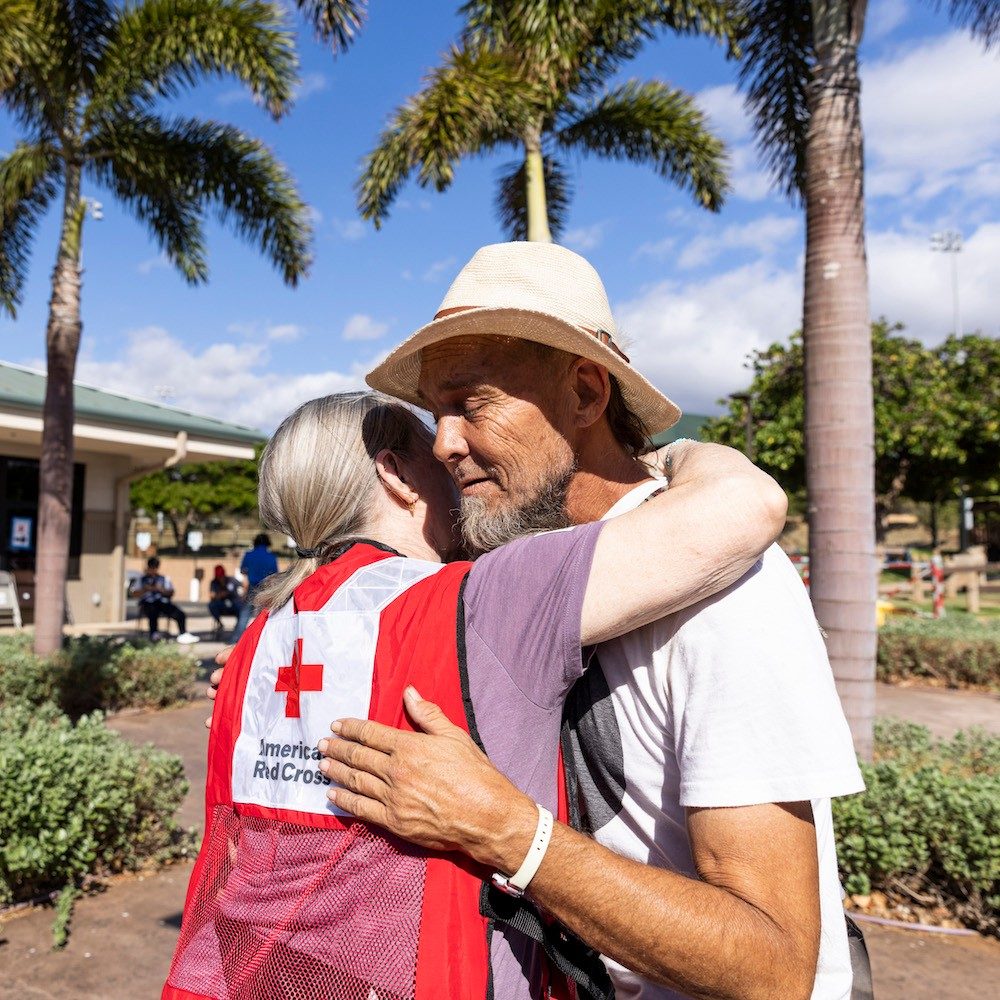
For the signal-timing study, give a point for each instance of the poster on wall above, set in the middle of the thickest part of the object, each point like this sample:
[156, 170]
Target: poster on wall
[20, 533]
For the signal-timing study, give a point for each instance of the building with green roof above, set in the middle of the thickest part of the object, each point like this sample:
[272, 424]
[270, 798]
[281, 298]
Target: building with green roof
[116, 439]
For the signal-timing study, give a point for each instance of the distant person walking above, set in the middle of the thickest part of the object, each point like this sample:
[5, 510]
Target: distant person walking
[154, 591]
[257, 565]
[224, 597]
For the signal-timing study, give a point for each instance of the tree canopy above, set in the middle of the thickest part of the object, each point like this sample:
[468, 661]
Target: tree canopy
[190, 492]
[937, 416]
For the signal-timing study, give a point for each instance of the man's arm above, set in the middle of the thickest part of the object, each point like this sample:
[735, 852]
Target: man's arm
[692, 541]
[748, 929]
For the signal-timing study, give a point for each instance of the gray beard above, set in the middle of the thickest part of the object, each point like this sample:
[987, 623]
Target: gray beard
[484, 530]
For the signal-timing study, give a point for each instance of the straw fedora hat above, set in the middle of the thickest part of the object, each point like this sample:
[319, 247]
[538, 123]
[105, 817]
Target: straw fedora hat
[535, 291]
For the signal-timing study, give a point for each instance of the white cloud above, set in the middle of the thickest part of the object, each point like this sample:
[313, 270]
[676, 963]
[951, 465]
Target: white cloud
[585, 237]
[311, 83]
[234, 95]
[656, 248]
[724, 107]
[254, 330]
[350, 229]
[765, 235]
[692, 339]
[437, 269]
[912, 284]
[226, 380]
[284, 331]
[151, 264]
[884, 17]
[930, 123]
[360, 326]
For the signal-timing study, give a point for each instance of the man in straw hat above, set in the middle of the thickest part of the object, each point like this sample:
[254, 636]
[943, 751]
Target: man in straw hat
[702, 751]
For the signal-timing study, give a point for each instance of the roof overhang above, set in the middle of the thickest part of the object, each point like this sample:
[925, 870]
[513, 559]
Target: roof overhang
[143, 446]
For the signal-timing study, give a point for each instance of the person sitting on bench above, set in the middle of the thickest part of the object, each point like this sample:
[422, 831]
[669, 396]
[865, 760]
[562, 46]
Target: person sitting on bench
[154, 592]
[224, 597]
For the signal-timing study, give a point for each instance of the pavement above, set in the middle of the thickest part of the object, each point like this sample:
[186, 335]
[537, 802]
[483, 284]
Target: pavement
[942, 711]
[122, 939]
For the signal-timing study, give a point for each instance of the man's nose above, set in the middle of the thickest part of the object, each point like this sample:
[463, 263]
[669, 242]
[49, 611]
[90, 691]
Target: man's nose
[450, 445]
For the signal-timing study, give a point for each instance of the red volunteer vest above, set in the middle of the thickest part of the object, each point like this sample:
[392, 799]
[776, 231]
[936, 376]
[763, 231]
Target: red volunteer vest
[288, 897]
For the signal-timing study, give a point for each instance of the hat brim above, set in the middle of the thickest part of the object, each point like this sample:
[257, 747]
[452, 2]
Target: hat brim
[398, 375]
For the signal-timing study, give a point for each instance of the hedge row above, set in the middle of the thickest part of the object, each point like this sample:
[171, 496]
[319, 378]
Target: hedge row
[92, 674]
[927, 828]
[957, 652]
[78, 800]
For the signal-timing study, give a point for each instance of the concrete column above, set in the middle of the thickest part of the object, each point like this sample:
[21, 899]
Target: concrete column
[118, 550]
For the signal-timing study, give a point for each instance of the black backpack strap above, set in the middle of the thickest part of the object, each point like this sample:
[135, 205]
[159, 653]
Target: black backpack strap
[575, 960]
[860, 963]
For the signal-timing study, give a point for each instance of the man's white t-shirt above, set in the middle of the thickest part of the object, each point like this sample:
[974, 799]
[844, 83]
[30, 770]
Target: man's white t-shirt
[730, 702]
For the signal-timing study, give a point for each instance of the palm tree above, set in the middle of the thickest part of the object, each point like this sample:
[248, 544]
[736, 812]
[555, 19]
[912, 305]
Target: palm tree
[800, 73]
[82, 84]
[532, 74]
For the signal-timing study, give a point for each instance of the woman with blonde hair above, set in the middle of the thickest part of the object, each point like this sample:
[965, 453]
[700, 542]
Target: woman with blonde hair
[293, 898]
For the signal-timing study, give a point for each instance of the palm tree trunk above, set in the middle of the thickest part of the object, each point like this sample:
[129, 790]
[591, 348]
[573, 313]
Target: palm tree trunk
[534, 172]
[55, 487]
[838, 369]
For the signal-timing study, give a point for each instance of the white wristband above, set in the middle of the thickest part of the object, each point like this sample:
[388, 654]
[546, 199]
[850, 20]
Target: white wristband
[518, 882]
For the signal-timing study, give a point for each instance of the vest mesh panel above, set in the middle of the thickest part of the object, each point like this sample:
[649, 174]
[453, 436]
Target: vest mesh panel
[260, 927]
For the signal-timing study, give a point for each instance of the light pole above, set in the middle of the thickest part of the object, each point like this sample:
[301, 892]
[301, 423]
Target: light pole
[950, 242]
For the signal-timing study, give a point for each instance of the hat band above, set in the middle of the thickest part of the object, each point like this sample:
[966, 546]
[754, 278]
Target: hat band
[603, 336]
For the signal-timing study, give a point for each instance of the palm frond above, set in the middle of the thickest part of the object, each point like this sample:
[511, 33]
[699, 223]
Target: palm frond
[980, 17]
[511, 201]
[777, 48]
[171, 173]
[336, 22]
[652, 124]
[19, 33]
[86, 25]
[27, 185]
[159, 47]
[476, 101]
[36, 71]
[622, 22]
[577, 44]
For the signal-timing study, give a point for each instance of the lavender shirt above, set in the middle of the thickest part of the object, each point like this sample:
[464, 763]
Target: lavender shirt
[522, 617]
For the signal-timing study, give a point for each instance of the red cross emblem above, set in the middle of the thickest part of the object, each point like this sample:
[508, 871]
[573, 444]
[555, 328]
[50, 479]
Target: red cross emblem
[297, 678]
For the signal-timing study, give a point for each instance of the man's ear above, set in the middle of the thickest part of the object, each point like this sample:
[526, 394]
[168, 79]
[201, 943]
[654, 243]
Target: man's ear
[391, 473]
[592, 385]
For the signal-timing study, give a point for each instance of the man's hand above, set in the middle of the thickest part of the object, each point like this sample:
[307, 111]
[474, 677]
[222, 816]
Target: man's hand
[435, 788]
[215, 680]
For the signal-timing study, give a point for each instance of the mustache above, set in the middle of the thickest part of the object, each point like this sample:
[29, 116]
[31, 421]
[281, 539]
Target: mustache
[462, 475]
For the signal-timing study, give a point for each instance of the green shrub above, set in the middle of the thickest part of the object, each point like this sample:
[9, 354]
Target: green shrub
[23, 676]
[80, 800]
[927, 828]
[94, 673]
[959, 652]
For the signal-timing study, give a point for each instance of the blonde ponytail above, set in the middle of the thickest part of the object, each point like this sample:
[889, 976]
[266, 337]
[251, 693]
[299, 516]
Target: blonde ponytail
[317, 480]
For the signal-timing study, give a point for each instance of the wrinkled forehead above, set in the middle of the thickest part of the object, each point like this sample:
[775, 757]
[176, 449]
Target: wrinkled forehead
[465, 362]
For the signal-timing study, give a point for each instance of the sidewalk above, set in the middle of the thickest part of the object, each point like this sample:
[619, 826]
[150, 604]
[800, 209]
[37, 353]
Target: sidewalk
[121, 940]
[942, 711]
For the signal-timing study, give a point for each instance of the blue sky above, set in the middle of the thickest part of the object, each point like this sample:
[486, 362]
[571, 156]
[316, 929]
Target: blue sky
[693, 292]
